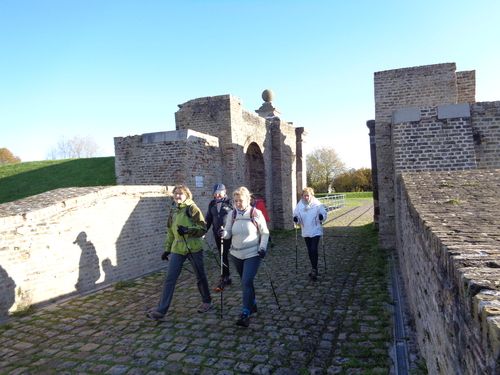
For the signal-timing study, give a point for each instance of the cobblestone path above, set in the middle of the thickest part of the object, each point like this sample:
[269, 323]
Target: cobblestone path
[340, 324]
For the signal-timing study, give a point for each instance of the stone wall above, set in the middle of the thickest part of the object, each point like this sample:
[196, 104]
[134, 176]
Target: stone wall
[448, 241]
[486, 133]
[217, 141]
[75, 240]
[424, 86]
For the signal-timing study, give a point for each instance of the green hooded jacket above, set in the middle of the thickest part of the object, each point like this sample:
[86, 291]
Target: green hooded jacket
[196, 228]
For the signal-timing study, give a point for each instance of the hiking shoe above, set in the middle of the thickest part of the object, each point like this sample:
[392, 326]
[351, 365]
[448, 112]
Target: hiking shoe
[223, 282]
[204, 307]
[313, 275]
[243, 320]
[155, 315]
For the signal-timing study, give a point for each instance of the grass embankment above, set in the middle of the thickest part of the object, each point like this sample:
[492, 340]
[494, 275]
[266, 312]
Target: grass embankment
[21, 180]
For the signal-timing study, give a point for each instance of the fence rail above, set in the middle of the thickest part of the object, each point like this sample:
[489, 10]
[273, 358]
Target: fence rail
[333, 202]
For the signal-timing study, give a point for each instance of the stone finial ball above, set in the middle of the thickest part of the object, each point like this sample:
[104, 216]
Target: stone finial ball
[268, 95]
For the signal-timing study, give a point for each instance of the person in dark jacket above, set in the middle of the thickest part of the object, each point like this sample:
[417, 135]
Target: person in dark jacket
[216, 216]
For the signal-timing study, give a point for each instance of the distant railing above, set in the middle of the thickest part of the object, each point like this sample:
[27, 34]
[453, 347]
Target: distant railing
[333, 202]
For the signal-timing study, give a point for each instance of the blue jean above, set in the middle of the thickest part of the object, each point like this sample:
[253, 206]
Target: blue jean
[312, 249]
[247, 269]
[174, 270]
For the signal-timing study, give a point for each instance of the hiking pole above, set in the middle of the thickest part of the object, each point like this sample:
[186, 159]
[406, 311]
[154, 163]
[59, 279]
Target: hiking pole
[192, 257]
[324, 254]
[212, 251]
[272, 285]
[222, 272]
[296, 252]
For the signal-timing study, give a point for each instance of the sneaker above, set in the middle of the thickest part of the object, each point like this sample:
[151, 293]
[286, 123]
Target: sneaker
[243, 320]
[223, 282]
[313, 275]
[155, 315]
[204, 307]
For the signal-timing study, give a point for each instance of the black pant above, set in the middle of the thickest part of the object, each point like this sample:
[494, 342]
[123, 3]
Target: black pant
[312, 249]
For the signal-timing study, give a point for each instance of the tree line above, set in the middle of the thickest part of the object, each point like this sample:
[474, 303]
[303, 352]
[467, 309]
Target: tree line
[65, 148]
[327, 173]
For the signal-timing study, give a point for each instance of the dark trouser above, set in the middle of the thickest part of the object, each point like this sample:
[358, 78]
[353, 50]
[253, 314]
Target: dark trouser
[312, 249]
[247, 269]
[174, 270]
[225, 256]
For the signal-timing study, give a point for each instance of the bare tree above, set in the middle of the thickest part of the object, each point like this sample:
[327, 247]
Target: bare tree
[76, 147]
[6, 157]
[323, 165]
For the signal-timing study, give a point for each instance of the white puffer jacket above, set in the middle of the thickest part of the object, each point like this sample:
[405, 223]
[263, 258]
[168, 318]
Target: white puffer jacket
[308, 214]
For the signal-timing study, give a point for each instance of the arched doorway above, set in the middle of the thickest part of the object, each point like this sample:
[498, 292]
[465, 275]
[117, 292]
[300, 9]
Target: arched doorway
[255, 170]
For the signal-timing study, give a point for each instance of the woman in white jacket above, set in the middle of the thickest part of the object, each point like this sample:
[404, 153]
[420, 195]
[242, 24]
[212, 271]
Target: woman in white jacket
[310, 214]
[247, 227]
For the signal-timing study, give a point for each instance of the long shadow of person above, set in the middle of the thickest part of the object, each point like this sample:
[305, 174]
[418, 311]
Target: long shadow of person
[8, 295]
[89, 264]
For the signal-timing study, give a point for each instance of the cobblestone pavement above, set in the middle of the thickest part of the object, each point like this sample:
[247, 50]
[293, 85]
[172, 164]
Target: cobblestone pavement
[340, 324]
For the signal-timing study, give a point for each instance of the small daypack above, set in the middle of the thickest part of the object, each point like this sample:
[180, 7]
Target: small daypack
[252, 216]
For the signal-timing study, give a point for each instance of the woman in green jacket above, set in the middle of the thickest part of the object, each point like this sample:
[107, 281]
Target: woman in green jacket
[185, 229]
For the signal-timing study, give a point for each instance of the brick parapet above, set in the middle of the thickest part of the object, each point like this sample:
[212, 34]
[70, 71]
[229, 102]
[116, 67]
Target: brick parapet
[486, 133]
[448, 246]
[75, 240]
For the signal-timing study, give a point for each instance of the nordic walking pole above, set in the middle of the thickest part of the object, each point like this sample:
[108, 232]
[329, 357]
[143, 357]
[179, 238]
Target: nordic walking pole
[222, 272]
[324, 254]
[296, 252]
[272, 285]
[192, 257]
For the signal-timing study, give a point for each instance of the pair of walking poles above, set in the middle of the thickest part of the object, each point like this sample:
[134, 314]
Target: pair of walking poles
[297, 250]
[222, 264]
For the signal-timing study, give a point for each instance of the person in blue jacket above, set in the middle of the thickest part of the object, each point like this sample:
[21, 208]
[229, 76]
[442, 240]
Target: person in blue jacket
[216, 217]
[309, 214]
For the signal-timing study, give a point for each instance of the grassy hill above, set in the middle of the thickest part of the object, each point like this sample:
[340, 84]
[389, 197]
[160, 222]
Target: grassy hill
[21, 180]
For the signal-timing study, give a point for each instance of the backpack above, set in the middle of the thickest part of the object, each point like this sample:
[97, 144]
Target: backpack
[188, 213]
[252, 216]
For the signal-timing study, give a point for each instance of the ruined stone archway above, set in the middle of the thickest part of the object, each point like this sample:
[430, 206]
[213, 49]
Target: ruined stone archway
[255, 170]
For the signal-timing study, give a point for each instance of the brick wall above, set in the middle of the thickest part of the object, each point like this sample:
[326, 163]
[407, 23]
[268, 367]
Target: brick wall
[211, 146]
[408, 88]
[440, 140]
[486, 133]
[449, 258]
[75, 240]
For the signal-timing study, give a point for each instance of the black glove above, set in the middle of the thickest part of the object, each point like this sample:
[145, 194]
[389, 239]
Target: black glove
[165, 255]
[182, 230]
[295, 219]
[221, 233]
[320, 217]
[262, 253]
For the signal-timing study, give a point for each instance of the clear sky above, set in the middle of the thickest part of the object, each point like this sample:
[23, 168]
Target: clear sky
[109, 68]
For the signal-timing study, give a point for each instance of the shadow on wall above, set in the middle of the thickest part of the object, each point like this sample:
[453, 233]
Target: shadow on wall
[89, 271]
[8, 292]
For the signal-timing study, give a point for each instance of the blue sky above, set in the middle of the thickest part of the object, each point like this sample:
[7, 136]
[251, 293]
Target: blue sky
[115, 68]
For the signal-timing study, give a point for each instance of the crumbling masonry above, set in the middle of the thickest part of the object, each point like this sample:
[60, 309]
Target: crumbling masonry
[435, 159]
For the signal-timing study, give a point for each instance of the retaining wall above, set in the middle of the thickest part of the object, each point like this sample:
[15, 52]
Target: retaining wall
[448, 245]
[75, 240]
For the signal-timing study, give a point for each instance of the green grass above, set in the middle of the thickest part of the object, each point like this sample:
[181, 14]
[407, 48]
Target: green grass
[21, 180]
[363, 195]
